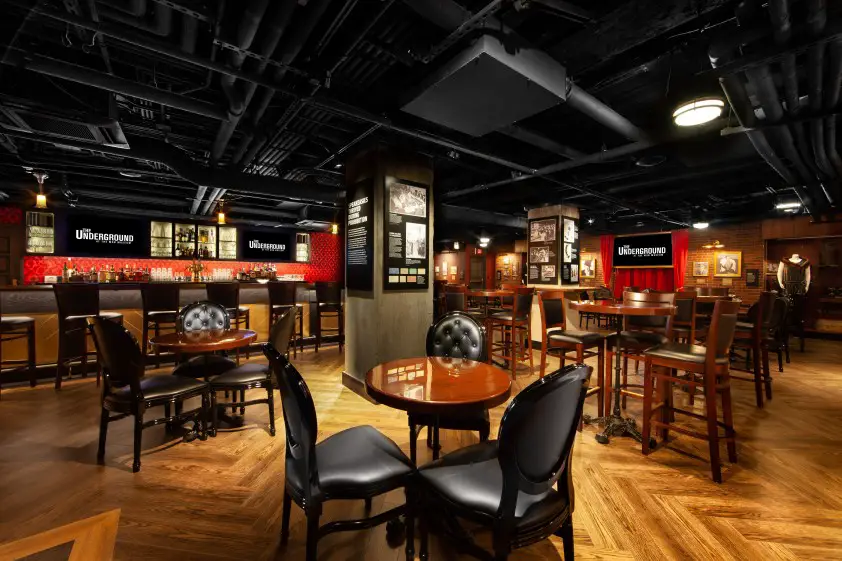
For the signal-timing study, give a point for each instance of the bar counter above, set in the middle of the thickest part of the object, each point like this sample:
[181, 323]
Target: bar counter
[38, 302]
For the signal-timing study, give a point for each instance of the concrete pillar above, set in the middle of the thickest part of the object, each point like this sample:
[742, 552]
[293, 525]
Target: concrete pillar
[383, 325]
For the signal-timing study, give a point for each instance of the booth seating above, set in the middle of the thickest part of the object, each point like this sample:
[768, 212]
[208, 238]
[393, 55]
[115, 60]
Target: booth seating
[227, 294]
[698, 367]
[160, 309]
[76, 303]
[282, 297]
[515, 328]
[329, 305]
[569, 344]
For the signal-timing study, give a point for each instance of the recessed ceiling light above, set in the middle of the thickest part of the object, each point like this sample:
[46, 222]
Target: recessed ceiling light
[484, 240]
[591, 219]
[700, 225]
[794, 205]
[698, 112]
[337, 165]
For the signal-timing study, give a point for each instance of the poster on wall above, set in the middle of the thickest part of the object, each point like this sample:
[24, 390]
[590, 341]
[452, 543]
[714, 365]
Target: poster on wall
[645, 250]
[407, 235]
[272, 247]
[543, 251]
[359, 242]
[98, 236]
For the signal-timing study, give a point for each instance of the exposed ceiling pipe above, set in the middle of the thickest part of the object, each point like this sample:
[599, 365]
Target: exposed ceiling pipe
[262, 212]
[215, 202]
[540, 141]
[240, 97]
[132, 38]
[136, 8]
[106, 59]
[589, 105]
[86, 76]
[782, 33]
[460, 214]
[181, 163]
[161, 24]
[214, 194]
[189, 33]
[816, 21]
[200, 194]
[831, 101]
[291, 47]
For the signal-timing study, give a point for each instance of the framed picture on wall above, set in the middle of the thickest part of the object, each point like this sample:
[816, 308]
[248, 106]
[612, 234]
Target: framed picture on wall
[701, 268]
[752, 277]
[728, 264]
[587, 266]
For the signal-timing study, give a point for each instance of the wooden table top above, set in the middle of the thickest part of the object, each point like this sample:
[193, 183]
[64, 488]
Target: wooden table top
[205, 341]
[622, 309]
[434, 384]
[489, 293]
[710, 298]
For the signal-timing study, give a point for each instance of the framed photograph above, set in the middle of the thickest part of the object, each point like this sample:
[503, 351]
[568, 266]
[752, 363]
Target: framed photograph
[539, 254]
[701, 268]
[587, 266]
[574, 272]
[408, 200]
[569, 230]
[772, 268]
[728, 264]
[542, 230]
[752, 277]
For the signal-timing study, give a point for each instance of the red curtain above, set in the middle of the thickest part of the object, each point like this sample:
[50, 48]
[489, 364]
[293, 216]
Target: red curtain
[680, 246]
[606, 252]
[659, 279]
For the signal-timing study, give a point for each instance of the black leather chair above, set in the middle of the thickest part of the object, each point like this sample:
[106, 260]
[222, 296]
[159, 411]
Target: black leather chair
[127, 392]
[329, 305]
[282, 297]
[203, 316]
[456, 335]
[252, 375]
[19, 327]
[507, 484]
[355, 464]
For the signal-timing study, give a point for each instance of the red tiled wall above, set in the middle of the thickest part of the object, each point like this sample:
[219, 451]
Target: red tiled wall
[10, 215]
[326, 263]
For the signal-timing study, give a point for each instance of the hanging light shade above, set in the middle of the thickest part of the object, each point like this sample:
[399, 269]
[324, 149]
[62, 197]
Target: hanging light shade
[698, 112]
[220, 215]
[334, 228]
[40, 198]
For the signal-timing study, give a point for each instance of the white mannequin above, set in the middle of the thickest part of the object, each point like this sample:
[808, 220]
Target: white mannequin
[795, 259]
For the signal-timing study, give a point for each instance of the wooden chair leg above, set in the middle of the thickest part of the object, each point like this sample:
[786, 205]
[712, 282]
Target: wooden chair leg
[413, 443]
[758, 381]
[285, 517]
[103, 433]
[543, 355]
[312, 536]
[30, 355]
[566, 533]
[648, 388]
[580, 353]
[270, 396]
[138, 432]
[728, 418]
[667, 404]
[248, 323]
[61, 364]
[625, 380]
[713, 429]
[767, 377]
[529, 345]
[511, 337]
[609, 381]
[600, 373]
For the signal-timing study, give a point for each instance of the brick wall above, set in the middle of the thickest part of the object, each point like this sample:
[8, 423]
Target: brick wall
[746, 237]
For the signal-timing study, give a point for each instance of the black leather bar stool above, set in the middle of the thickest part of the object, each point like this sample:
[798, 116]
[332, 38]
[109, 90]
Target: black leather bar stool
[227, 294]
[76, 303]
[282, 297]
[160, 308]
[19, 327]
[329, 305]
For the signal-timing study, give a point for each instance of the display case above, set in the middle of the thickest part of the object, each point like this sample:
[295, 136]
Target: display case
[227, 242]
[206, 238]
[184, 239]
[40, 232]
[161, 239]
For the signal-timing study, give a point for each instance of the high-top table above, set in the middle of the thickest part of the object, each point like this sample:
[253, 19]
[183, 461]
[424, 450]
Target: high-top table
[615, 424]
[208, 341]
[437, 386]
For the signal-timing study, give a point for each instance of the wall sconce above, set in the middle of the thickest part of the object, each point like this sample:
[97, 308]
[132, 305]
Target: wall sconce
[715, 244]
[334, 228]
[506, 259]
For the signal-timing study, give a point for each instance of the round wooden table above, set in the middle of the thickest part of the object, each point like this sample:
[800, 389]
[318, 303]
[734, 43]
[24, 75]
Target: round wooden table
[615, 425]
[437, 386]
[488, 294]
[197, 342]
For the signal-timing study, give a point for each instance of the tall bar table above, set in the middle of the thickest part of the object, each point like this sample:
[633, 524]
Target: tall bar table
[615, 424]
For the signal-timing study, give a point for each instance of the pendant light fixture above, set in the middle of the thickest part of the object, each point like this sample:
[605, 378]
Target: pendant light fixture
[698, 112]
[220, 215]
[40, 198]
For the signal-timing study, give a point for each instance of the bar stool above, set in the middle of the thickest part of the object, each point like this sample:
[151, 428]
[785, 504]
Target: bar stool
[749, 337]
[705, 367]
[160, 308]
[19, 327]
[282, 297]
[582, 344]
[515, 329]
[76, 303]
[456, 300]
[227, 294]
[329, 305]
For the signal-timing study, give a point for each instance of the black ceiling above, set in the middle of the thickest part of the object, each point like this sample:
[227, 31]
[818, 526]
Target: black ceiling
[181, 116]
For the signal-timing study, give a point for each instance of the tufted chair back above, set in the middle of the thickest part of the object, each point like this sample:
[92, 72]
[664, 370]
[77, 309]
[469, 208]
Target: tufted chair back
[202, 316]
[457, 335]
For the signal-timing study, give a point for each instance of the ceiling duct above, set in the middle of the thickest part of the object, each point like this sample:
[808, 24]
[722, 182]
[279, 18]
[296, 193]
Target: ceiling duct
[486, 87]
[106, 132]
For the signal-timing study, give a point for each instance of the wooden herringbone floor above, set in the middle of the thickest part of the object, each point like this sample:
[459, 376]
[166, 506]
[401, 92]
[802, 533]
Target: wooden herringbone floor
[221, 499]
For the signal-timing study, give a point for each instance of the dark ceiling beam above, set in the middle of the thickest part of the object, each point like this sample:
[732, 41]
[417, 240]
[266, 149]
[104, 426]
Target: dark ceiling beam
[184, 166]
[629, 26]
[540, 141]
[459, 214]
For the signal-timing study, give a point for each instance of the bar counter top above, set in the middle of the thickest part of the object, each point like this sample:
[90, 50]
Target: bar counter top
[134, 285]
